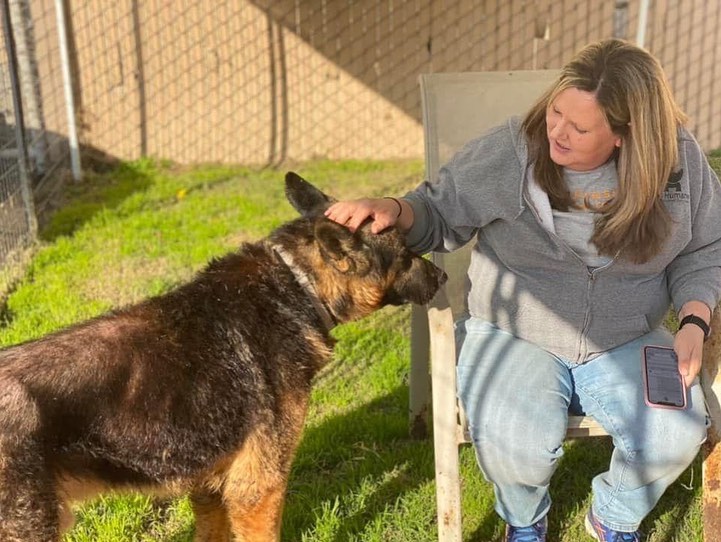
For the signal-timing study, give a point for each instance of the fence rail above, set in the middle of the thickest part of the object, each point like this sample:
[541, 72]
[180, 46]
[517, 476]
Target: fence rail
[261, 82]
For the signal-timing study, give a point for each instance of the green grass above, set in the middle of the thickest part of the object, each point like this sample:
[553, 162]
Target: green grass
[146, 227]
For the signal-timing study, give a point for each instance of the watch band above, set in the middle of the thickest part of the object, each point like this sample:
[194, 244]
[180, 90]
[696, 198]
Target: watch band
[697, 320]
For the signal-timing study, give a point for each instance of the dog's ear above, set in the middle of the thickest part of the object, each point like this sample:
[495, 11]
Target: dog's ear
[343, 250]
[305, 197]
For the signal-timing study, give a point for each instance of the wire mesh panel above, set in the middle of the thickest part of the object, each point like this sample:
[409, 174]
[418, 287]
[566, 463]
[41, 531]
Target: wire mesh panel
[685, 36]
[33, 126]
[34, 29]
[260, 82]
[17, 219]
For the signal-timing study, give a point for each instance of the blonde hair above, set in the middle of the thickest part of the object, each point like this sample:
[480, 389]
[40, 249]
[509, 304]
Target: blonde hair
[632, 92]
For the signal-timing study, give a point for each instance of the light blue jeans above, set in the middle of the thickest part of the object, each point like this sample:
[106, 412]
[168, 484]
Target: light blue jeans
[517, 398]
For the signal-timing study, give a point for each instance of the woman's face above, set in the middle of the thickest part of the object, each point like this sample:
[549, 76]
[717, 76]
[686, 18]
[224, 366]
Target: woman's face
[579, 135]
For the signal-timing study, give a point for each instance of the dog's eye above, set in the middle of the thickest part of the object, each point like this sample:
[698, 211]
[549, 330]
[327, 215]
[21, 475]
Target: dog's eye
[406, 261]
[401, 262]
[386, 259]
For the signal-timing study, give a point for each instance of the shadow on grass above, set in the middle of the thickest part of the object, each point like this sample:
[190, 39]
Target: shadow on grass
[99, 191]
[490, 527]
[571, 485]
[676, 504]
[355, 466]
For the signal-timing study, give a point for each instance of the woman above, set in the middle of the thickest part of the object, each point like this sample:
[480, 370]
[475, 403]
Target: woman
[590, 217]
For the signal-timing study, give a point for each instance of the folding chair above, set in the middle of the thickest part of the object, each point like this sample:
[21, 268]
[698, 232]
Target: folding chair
[456, 108]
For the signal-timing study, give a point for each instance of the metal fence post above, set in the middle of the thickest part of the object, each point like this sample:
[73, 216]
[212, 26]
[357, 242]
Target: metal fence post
[30, 87]
[68, 88]
[25, 190]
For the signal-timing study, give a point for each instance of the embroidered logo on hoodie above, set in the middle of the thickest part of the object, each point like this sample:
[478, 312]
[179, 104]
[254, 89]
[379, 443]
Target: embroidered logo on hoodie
[673, 187]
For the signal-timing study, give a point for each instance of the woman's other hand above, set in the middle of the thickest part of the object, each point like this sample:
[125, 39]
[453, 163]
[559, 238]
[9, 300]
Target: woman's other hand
[688, 342]
[688, 345]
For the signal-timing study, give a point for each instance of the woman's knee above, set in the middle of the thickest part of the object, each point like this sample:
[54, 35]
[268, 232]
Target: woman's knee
[506, 462]
[679, 442]
[518, 451]
[673, 438]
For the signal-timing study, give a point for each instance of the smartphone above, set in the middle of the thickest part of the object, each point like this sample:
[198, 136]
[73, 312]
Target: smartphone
[663, 384]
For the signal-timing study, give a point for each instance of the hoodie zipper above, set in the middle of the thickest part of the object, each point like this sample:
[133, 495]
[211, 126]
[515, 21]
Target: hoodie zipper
[582, 346]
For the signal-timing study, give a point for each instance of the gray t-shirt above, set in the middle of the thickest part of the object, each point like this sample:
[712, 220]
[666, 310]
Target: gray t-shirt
[590, 190]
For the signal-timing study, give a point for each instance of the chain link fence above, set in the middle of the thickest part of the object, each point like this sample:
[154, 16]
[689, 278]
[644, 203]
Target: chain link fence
[33, 127]
[261, 82]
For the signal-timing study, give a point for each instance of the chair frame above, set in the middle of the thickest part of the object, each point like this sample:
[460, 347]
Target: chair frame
[432, 328]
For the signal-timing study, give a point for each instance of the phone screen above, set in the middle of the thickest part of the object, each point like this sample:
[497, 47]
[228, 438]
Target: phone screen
[664, 384]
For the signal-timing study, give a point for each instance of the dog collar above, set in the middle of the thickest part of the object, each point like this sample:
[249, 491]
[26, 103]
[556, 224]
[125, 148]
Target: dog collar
[325, 314]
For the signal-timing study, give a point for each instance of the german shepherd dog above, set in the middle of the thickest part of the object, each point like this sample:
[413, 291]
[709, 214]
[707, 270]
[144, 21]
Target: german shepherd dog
[202, 390]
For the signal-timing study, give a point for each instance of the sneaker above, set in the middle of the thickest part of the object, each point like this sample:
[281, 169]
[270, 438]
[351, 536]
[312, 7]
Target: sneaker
[600, 532]
[534, 533]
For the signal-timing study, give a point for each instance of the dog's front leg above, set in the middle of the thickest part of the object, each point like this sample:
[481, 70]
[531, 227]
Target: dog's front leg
[211, 517]
[257, 519]
[67, 517]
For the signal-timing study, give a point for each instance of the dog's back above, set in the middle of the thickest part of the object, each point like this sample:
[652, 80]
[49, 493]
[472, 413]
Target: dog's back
[131, 388]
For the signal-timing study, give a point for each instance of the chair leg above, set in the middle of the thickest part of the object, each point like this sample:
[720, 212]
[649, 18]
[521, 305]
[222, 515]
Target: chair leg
[448, 494]
[445, 425]
[711, 502]
[419, 379]
[711, 382]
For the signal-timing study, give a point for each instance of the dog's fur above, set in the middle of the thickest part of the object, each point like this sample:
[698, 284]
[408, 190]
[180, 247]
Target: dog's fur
[202, 390]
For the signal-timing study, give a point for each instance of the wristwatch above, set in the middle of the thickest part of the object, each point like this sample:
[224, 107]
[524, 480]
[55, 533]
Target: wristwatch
[697, 320]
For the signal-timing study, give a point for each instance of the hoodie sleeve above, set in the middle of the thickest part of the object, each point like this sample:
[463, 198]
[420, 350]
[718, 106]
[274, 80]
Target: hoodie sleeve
[481, 183]
[695, 273]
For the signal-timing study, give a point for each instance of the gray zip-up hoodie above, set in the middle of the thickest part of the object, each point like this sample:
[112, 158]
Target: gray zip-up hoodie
[526, 280]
